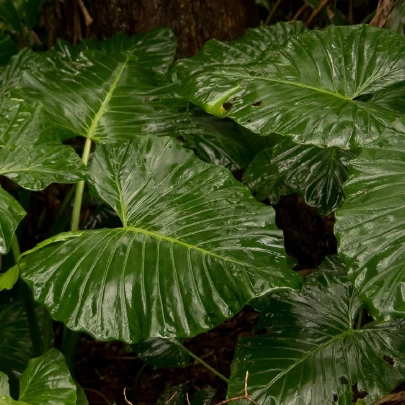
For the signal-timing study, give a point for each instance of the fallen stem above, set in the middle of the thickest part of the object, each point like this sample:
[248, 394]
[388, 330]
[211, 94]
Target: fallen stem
[207, 366]
[273, 10]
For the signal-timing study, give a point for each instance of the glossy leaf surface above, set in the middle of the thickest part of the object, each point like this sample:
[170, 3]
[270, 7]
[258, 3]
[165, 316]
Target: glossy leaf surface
[47, 381]
[370, 224]
[162, 353]
[112, 97]
[8, 48]
[195, 247]
[11, 214]
[239, 51]
[16, 345]
[307, 88]
[317, 174]
[312, 354]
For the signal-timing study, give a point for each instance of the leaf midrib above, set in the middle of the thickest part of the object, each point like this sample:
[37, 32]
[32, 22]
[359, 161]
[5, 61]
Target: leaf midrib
[180, 242]
[93, 127]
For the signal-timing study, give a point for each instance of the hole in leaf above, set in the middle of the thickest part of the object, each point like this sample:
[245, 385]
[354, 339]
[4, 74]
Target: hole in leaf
[257, 103]
[181, 138]
[343, 380]
[389, 360]
[226, 106]
[249, 121]
[335, 397]
[358, 394]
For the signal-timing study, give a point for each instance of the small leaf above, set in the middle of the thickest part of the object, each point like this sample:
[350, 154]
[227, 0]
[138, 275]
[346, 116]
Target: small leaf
[370, 224]
[174, 396]
[312, 354]
[161, 353]
[305, 89]
[264, 3]
[203, 396]
[317, 174]
[195, 247]
[9, 278]
[4, 388]
[47, 381]
[11, 214]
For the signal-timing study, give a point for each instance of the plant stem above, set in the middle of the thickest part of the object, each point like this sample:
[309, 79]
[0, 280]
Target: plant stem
[71, 338]
[29, 305]
[79, 189]
[207, 366]
[273, 10]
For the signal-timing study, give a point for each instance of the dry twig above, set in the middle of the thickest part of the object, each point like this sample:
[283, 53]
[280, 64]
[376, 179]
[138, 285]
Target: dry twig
[244, 396]
[383, 13]
[125, 397]
[316, 12]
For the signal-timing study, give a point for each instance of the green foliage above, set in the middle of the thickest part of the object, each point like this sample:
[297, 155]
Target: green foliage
[190, 245]
[311, 344]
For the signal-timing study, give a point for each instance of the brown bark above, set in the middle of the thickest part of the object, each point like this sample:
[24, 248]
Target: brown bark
[193, 21]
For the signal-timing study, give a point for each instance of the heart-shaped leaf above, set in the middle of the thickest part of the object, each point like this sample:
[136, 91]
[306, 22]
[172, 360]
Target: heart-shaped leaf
[8, 48]
[110, 97]
[313, 355]
[195, 247]
[239, 51]
[308, 88]
[370, 224]
[317, 174]
[160, 353]
[47, 381]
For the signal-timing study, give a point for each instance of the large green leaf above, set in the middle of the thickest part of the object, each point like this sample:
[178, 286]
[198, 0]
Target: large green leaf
[313, 355]
[47, 381]
[159, 352]
[110, 97]
[16, 346]
[9, 278]
[154, 49]
[195, 247]
[315, 173]
[307, 88]
[370, 224]
[8, 48]
[11, 214]
[239, 51]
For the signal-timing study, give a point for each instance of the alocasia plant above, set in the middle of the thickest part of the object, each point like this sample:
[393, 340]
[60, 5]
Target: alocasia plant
[193, 245]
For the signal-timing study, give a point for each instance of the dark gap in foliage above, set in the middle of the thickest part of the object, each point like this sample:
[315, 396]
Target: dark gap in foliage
[357, 394]
[257, 103]
[308, 236]
[226, 106]
[365, 319]
[389, 360]
[343, 380]
[335, 398]
[108, 368]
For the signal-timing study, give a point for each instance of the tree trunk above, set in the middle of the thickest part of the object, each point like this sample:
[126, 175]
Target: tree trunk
[193, 21]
